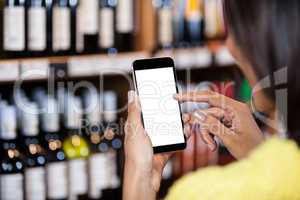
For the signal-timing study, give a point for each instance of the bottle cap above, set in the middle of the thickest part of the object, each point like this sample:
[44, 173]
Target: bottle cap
[29, 119]
[8, 119]
[110, 106]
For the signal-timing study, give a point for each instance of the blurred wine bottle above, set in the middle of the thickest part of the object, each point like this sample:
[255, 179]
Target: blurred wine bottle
[164, 23]
[61, 27]
[107, 26]
[35, 159]
[11, 168]
[98, 177]
[188, 156]
[56, 168]
[88, 26]
[178, 12]
[168, 171]
[14, 28]
[176, 165]
[214, 19]
[113, 142]
[36, 27]
[194, 22]
[76, 148]
[49, 27]
[73, 6]
[110, 108]
[125, 25]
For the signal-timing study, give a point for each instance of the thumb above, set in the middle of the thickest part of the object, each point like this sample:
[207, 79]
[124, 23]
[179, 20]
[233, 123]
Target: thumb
[134, 108]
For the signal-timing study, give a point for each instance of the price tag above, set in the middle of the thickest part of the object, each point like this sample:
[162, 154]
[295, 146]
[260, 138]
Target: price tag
[184, 58]
[9, 71]
[101, 63]
[202, 58]
[34, 69]
[224, 58]
[83, 67]
[123, 63]
[165, 53]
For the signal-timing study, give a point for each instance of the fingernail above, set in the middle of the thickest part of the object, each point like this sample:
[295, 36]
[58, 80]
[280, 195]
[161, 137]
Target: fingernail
[175, 96]
[131, 96]
[211, 147]
[187, 128]
[200, 116]
[185, 118]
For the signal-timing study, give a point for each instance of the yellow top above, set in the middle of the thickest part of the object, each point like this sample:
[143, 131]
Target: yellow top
[271, 172]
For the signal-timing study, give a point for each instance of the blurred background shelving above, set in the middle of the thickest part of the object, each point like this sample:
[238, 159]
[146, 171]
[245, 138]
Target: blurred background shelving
[59, 44]
[182, 30]
[96, 64]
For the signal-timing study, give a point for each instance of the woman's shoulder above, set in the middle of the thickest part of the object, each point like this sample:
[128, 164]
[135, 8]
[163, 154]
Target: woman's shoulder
[277, 145]
[282, 152]
[271, 170]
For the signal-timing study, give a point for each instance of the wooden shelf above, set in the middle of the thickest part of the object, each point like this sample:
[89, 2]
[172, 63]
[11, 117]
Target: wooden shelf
[187, 58]
[97, 64]
[83, 65]
[65, 59]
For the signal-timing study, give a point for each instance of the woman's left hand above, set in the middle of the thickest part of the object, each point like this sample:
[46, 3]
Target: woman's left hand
[140, 160]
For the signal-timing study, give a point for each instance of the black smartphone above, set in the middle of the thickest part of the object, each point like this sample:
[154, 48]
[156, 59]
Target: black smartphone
[155, 83]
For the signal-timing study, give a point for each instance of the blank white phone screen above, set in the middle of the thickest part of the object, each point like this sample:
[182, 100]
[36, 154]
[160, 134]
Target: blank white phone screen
[161, 112]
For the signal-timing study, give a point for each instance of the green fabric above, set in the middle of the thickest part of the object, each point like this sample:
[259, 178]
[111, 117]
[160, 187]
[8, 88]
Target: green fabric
[245, 91]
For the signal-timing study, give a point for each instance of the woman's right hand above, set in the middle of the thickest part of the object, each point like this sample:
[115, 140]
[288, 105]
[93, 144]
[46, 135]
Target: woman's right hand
[230, 120]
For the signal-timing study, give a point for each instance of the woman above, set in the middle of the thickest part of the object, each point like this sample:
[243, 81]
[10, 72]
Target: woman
[264, 38]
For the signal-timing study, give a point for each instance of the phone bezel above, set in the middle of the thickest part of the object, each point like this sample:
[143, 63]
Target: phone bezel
[156, 63]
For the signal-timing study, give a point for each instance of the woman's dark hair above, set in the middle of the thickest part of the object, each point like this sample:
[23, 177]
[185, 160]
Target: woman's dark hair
[268, 34]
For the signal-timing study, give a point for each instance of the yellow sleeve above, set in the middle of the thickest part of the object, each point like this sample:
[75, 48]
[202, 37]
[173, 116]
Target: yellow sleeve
[271, 172]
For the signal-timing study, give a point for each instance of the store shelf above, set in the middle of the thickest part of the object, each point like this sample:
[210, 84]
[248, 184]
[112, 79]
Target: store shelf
[188, 58]
[9, 71]
[97, 64]
[223, 57]
[34, 69]
[83, 65]
[103, 64]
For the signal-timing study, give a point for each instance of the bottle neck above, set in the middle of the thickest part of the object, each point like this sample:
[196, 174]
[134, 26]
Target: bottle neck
[73, 3]
[36, 3]
[107, 4]
[71, 131]
[62, 3]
